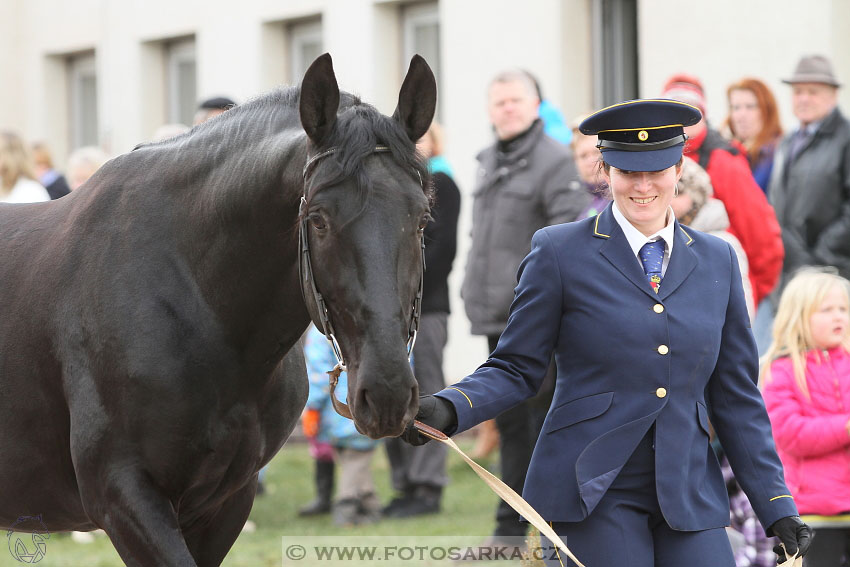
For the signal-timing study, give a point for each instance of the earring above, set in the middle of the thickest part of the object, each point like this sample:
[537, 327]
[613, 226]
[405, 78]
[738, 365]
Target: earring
[676, 190]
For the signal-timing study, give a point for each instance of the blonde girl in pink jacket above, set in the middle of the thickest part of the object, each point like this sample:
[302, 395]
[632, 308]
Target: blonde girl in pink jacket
[806, 384]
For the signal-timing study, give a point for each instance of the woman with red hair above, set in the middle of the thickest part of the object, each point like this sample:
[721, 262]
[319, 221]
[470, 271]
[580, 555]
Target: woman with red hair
[754, 121]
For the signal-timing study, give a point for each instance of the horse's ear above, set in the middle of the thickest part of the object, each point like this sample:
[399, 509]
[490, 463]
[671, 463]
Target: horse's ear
[417, 99]
[319, 99]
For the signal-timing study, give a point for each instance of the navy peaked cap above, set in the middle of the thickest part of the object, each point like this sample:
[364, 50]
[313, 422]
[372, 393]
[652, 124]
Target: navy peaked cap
[642, 135]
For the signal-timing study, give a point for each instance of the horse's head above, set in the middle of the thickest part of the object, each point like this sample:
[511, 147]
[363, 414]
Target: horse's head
[364, 213]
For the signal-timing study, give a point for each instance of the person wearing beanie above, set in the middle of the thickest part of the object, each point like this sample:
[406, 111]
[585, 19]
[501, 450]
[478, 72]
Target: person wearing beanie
[751, 218]
[810, 183]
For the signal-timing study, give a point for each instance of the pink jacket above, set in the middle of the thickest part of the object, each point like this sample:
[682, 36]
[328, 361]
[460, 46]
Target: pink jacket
[811, 435]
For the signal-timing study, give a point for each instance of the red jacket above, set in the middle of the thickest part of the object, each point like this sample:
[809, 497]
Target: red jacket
[751, 218]
[811, 434]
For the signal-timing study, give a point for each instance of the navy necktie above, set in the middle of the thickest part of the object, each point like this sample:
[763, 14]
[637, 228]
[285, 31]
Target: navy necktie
[652, 258]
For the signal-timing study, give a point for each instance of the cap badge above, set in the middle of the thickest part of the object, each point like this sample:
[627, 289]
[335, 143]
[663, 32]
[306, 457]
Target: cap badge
[643, 135]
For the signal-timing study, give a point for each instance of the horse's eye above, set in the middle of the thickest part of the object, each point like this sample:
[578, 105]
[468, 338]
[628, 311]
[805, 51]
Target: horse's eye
[318, 221]
[425, 220]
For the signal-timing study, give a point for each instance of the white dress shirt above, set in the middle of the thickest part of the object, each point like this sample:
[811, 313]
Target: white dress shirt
[637, 239]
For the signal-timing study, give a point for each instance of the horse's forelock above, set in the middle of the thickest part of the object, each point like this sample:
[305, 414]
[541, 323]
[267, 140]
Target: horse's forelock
[359, 129]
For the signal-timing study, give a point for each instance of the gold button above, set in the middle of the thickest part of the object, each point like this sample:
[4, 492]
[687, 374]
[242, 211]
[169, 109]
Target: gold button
[658, 308]
[661, 392]
[662, 349]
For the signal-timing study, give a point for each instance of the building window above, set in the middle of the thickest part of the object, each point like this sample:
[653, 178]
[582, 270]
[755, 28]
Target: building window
[305, 45]
[83, 100]
[181, 81]
[421, 34]
[615, 51]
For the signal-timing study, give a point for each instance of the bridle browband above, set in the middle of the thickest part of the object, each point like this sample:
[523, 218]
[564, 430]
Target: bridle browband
[305, 271]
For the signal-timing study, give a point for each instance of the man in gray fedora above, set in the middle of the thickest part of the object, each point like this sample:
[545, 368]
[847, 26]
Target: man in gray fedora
[810, 183]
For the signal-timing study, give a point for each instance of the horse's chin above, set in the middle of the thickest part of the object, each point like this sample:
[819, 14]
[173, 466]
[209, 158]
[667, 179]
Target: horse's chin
[374, 431]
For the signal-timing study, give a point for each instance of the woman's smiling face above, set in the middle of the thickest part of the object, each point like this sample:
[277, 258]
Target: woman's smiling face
[644, 197]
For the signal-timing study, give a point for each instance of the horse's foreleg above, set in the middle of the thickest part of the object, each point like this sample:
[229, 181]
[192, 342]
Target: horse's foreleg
[140, 521]
[211, 542]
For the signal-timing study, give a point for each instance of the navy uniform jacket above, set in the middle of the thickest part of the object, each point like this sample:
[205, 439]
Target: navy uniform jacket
[628, 358]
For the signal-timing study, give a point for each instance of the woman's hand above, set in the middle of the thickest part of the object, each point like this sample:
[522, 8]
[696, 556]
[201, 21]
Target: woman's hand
[436, 412]
[795, 534]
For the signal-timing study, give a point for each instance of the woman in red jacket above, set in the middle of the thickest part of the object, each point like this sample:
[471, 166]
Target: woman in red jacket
[806, 380]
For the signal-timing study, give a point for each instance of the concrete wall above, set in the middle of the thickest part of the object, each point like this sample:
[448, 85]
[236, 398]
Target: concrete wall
[724, 40]
[241, 51]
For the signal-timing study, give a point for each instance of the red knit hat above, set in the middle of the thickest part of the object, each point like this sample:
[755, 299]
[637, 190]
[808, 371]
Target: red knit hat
[685, 88]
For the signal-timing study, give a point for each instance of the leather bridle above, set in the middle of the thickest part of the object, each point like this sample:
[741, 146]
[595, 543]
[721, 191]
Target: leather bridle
[305, 272]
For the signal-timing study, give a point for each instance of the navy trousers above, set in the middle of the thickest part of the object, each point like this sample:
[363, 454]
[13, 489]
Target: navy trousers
[627, 527]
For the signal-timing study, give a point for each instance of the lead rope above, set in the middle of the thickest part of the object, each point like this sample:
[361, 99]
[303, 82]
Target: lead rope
[504, 491]
[792, 561]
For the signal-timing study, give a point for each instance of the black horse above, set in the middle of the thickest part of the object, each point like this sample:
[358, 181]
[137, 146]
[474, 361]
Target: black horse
[149, 342]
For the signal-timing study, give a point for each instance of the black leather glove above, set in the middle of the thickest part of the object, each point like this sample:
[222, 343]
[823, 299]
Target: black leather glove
[795, 534]
[433, 411]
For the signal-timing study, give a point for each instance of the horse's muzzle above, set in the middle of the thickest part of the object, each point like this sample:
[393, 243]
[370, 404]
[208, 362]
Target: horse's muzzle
[382, 409]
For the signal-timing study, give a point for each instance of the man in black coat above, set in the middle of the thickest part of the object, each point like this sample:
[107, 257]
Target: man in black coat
[810, 183]
[419, 473]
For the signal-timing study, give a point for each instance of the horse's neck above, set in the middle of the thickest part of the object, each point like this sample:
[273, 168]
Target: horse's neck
[243, 209]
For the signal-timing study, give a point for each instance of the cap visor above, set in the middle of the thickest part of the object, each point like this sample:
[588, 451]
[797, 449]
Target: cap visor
[655, 160]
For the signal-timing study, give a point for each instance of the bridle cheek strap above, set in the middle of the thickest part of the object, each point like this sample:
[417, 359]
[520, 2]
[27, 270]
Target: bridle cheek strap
[305, 269]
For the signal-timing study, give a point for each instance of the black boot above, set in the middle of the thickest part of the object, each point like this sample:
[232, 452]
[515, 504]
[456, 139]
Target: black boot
[398, 502]
[324, 490]
[424, 500]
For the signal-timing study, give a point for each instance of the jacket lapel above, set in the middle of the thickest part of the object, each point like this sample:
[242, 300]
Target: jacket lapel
[682, 262]
[617, 251]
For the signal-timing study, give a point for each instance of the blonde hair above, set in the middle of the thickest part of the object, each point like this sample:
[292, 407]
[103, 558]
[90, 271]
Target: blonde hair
[15, 161]
[41, 155]
[792, 333]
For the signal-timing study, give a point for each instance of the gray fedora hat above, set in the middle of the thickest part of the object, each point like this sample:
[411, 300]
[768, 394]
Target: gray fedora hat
[813, 69]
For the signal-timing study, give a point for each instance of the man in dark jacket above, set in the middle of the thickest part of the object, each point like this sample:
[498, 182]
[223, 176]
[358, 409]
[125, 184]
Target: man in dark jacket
[523, 184]
[810, 183]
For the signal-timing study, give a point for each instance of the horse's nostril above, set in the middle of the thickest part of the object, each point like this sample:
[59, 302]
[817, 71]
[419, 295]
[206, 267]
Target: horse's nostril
[413, 404]
[363, 404]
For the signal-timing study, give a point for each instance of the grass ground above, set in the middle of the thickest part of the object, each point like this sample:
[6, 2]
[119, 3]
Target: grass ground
[468, 508]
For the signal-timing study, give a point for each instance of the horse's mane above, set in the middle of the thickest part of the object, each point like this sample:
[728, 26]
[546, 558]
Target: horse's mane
[358, 130]
[260, 108]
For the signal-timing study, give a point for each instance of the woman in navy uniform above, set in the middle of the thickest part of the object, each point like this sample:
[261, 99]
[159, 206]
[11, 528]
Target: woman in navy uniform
[649, 328]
